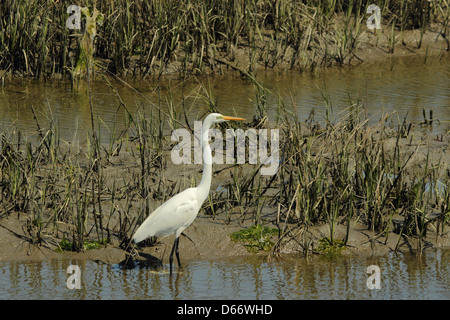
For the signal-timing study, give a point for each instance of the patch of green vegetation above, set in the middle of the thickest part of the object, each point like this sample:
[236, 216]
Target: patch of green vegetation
[89, 245]
[330, 247]
[256, 238]
[65, 245]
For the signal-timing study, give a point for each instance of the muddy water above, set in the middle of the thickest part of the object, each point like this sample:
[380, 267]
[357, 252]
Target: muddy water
[401, 277]
[406, 86]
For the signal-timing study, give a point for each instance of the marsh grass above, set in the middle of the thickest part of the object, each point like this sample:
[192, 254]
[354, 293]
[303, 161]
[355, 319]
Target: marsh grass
[344, 172]
[66, 193]
[151, 38]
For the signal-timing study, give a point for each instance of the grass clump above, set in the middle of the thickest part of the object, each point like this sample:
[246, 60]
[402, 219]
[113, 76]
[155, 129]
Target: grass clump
[66, 245]
[330, 248]
[256, 238]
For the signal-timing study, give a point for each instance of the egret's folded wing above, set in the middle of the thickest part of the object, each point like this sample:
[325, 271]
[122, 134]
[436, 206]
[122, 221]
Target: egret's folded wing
[177, 212]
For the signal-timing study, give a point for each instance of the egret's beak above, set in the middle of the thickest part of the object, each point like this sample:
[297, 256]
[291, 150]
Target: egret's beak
[227, 118]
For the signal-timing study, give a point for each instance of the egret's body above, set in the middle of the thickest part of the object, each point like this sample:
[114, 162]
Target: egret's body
[172, 217]
[175, 215]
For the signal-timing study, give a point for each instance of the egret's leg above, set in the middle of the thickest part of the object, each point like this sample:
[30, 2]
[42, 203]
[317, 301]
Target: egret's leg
[177, 240]
[171, 254]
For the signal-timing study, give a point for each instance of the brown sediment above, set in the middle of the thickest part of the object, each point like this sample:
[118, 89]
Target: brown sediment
[210, 240]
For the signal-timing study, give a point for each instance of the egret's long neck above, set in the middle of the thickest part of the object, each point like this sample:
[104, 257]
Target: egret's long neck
[205, 183]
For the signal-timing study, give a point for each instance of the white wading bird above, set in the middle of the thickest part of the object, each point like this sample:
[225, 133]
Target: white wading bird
[175, 215]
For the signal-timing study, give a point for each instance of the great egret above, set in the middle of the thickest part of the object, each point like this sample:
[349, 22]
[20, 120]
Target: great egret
[175, 215]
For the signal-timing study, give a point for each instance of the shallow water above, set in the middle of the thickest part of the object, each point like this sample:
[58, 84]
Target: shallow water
[406, 86]
[402, 276]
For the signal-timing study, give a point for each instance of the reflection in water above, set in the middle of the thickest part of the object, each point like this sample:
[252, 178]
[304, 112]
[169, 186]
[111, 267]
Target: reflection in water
[402, 277]
[403, 85]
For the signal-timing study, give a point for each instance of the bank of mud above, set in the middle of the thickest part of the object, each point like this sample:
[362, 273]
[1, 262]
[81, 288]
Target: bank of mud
[210, 240]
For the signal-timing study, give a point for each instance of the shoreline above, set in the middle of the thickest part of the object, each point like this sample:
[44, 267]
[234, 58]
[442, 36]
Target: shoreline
[209, 240]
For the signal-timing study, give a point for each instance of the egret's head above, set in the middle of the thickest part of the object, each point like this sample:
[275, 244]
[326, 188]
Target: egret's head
[217, 117]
